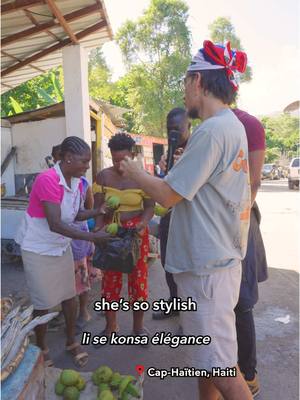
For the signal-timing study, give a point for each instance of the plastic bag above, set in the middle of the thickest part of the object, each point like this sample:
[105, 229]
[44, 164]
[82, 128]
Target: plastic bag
[118, 254]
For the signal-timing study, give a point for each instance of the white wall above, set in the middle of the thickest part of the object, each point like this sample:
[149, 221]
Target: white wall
[34, 141]
[8, 177]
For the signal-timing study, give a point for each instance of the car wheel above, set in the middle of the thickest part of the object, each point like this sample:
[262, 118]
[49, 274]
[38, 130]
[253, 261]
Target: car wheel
[291, 185]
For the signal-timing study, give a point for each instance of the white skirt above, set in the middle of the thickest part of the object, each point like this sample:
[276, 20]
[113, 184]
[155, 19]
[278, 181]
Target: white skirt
[50, 279]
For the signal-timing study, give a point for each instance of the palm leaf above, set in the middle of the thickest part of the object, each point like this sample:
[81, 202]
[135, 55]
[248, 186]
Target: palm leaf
[15, 105]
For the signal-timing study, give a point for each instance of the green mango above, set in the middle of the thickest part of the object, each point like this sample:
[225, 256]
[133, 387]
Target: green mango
[106, 395]
[81, 384]
[104, 374]
[112, 228]
[102, 387]
[71, 393]
[133, 390]
[113, 202]
[69, 377]
[116, 380]
[59, 388]
[160, 211]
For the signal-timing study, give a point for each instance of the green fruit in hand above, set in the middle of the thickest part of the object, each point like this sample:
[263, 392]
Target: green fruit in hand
[69, 377]
[106, 395]
[71, 393]
[81, 383]
[112, 228]
[59, 388]
[160, 211]
[116, 380]
[113, 202]
[102, 387]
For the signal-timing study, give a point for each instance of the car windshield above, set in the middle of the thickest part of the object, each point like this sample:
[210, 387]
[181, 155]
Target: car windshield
[295, 162]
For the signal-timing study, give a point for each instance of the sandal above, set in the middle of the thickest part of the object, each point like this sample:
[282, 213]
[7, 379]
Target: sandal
[80, 359]
[47, 361]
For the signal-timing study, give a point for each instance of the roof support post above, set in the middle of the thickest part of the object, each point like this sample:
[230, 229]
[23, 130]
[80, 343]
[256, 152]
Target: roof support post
[75, 68]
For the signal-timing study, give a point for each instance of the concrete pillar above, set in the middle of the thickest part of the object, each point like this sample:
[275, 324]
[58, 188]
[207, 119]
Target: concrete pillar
[75, 67]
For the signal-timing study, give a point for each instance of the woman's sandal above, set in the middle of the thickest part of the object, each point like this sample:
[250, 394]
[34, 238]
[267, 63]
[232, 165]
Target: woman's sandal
[47, 361]
[79, 359]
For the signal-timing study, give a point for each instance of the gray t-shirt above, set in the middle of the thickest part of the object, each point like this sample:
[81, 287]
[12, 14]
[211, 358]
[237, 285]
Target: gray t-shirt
[209, 227]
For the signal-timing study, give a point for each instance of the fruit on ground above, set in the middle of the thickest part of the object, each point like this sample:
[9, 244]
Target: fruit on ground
[116, 380]
[81, 383]
[71, 393]
[106, 395]
[59, 388]
[102, 374]
[102, 387]
[69, 377]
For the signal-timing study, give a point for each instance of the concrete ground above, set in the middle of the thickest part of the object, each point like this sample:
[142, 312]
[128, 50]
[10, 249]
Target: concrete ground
[277, 343]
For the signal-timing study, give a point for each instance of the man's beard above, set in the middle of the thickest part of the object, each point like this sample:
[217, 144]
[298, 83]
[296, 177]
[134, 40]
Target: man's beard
[193, 113]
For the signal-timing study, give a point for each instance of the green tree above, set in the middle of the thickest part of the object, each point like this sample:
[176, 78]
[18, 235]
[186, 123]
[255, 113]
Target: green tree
[100, 85]
[221, 31]
[282, 136]
[40, 91]
[156, 50]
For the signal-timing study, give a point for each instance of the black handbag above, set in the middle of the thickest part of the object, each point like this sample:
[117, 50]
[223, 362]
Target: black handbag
[121, 253]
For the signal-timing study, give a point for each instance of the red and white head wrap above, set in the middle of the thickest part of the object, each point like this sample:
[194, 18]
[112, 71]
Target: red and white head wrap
[213, 56]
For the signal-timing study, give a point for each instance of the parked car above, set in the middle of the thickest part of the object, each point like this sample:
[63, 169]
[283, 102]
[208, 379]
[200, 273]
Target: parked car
[294, 173]
[270, 171]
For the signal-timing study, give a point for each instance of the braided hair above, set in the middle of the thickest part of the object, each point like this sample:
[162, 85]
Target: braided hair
[121, 141]
[74, 145]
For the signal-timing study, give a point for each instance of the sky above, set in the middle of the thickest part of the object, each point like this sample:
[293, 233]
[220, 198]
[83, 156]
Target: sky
[269, 31]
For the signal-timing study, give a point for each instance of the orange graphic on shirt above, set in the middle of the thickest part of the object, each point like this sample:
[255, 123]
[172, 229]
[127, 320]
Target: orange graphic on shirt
[245, 214]
[240, 162]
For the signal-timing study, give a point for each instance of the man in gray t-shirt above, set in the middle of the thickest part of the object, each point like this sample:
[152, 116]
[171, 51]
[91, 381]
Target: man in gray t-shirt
[210, 177]
[209, 190]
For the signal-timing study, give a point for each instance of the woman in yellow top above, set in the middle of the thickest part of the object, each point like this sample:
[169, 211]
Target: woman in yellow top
[136, 209]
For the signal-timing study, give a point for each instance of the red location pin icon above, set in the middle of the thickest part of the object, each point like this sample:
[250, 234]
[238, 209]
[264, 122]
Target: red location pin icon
[139, 369]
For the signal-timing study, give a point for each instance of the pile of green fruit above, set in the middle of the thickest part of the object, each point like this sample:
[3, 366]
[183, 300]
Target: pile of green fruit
[113, 383]
[69, 384]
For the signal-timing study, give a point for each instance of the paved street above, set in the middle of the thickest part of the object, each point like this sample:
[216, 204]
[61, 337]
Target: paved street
[277, 343]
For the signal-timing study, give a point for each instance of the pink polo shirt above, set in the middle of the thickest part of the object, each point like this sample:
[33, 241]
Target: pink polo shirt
[34, 234]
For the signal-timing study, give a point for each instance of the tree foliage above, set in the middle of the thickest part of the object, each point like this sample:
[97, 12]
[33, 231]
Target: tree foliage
[221, 31]
[156, 51]
[40, 91]
[100, 85]
[282, 136]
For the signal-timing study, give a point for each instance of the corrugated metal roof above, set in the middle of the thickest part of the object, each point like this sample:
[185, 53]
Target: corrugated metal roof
[32, 29]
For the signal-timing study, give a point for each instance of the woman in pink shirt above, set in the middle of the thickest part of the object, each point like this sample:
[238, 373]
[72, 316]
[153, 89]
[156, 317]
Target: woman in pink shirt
[45, 239]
